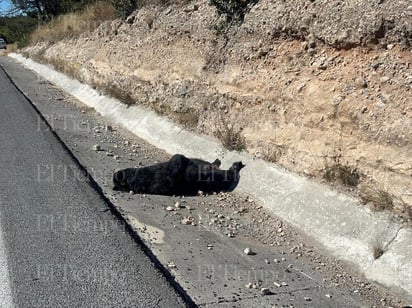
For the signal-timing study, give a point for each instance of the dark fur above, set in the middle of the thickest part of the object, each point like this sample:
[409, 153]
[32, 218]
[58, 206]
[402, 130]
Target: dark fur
[178, 176]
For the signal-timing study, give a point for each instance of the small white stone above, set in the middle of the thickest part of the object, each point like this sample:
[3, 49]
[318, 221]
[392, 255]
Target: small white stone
[186, 221]
[97, 147]
[249, 285]
[170, 208]
[265, 291]
[178, 205]
[171, 265]
[248, 251]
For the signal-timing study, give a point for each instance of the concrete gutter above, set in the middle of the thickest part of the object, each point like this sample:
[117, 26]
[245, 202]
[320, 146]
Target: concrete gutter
[337, 221]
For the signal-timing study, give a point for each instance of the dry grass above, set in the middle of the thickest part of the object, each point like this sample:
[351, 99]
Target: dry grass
[380, 200]
[74, 24]
[11, 47]
[69, 69]
[189, 118]
[378, 247]
[271, 153]
[230, 137]
[343, 173]
[118, 93]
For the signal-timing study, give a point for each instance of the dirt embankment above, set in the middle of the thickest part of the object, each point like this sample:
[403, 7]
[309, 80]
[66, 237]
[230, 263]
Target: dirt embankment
[322, 88]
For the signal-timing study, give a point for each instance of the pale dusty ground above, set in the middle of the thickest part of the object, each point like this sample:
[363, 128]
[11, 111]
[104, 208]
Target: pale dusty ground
[300, 103]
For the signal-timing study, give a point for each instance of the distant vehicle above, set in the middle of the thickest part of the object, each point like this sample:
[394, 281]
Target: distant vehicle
[3, 44]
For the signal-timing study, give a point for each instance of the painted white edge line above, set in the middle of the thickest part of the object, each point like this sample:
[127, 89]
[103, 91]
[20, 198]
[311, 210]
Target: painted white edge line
[6, 298]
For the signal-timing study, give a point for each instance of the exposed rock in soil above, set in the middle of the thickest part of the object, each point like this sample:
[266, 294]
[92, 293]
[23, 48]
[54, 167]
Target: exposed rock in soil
[319, 87]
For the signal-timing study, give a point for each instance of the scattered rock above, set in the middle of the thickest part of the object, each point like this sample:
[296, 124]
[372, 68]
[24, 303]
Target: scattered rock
[380, 104]
[265, 291]
[170, 208]
[384, 79]
[187, 220]
[311, 52]
[249, 251]
[178, 205]
[171, 265]
[361, 83]
[97, 147]
[364, 109]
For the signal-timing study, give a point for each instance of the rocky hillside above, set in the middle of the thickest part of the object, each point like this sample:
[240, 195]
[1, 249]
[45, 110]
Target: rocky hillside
[322, 88]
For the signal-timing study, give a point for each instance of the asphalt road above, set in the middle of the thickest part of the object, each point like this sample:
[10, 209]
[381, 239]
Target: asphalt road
[60, 246]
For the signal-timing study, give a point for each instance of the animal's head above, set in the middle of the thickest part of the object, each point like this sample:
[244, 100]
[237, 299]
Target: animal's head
[120, 181]
[237, 166]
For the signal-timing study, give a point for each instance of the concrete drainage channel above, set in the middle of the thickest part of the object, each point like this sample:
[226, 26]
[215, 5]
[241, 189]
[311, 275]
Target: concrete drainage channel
[347, 230]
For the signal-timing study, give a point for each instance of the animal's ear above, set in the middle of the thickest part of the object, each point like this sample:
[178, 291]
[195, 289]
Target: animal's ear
[177, 163]
[238, 165]
[217, 162]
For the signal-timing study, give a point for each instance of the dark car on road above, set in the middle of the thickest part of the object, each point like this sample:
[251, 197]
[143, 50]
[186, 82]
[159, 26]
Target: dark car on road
[3, 44]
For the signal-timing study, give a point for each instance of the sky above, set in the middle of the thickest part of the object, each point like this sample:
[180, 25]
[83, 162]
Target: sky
[5, 6]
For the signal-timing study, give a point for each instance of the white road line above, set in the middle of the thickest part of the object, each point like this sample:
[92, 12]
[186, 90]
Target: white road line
[6, 298]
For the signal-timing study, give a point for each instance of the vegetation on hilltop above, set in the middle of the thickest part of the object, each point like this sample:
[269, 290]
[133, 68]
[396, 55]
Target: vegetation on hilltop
[17, 29]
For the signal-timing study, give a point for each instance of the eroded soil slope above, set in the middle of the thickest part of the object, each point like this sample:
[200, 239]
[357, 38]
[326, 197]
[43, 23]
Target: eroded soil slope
[322, 88]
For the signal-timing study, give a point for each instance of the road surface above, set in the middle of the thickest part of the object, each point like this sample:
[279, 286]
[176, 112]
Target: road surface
[60, 246]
